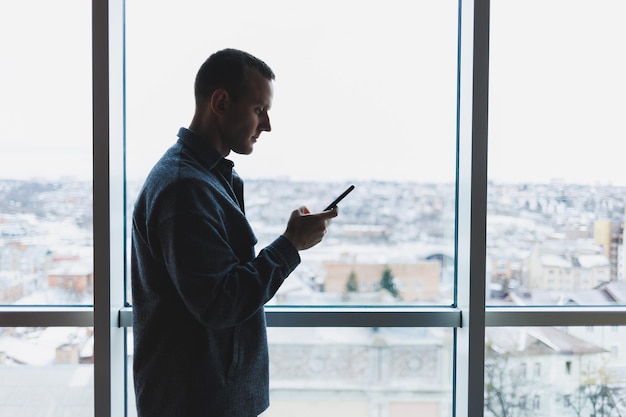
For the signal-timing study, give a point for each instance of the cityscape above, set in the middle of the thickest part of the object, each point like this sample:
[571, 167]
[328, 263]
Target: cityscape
[392, 244]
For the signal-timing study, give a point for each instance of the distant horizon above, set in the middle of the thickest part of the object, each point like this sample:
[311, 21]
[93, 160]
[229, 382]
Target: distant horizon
[285, 178]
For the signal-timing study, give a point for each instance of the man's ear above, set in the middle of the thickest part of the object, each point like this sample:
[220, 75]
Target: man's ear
[219, 101]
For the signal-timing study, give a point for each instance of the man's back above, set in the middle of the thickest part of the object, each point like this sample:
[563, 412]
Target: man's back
[196, 352]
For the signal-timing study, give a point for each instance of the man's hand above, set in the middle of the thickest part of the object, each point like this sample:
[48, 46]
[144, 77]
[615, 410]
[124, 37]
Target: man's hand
[305, 230]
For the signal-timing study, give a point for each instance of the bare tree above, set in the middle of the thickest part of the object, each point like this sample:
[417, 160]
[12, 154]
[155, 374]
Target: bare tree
[507, 393]
[596, 396]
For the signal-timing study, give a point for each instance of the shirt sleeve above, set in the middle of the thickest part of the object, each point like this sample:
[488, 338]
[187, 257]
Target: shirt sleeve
[204, 251]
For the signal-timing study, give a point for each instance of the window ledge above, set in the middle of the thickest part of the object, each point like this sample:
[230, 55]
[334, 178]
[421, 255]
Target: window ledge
[49, 316]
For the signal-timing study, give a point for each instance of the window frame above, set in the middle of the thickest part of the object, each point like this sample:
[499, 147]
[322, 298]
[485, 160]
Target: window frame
[108, 207]
[469, 317]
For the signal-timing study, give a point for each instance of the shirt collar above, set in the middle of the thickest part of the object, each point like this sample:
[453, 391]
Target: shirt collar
[206, 154]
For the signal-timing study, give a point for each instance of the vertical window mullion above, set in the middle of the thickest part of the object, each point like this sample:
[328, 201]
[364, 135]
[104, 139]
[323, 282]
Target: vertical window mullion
[108, 198]
[472, 206]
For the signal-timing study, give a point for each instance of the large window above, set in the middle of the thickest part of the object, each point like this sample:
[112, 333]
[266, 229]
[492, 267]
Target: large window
[372, 103]
[366, 93]
[555, 209]
[555, 213]
[460, 270]
[46, 209]
[556, 190]
[46, 244]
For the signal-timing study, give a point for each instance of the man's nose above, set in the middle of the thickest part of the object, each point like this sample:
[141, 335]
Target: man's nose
[266, 126]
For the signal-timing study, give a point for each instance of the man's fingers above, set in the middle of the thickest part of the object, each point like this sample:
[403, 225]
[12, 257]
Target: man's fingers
[329, 214]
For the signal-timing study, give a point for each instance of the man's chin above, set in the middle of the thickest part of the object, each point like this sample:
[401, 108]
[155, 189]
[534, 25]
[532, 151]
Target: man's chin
[243, 151]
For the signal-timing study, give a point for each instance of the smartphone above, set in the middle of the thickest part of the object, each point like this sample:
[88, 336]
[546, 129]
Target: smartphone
[338, 199]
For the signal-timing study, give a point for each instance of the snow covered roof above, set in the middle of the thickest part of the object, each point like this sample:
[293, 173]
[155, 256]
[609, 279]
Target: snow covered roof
[537, 341]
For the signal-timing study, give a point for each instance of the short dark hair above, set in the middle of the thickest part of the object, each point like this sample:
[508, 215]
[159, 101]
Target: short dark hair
[226, 69]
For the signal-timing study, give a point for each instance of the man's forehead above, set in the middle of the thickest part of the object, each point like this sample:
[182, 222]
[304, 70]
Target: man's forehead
[259, 87]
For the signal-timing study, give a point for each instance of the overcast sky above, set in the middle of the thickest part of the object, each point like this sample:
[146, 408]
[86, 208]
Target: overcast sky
[364, 89]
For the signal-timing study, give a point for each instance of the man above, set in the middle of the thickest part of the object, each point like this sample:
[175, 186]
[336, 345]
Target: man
[198, 286]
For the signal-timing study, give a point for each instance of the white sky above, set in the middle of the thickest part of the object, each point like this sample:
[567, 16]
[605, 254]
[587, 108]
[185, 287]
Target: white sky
[364, 89]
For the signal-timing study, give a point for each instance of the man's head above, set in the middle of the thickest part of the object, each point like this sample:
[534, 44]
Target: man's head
[227, 69]
[234, 92]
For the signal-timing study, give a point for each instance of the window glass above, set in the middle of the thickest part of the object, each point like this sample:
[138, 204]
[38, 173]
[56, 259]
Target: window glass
[556, 182]
[365, 94]
[580, 376]
[46, 372]
[45, 154]
[333, 372]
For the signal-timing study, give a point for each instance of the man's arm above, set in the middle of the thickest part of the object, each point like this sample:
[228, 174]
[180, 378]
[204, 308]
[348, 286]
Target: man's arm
[217, 288]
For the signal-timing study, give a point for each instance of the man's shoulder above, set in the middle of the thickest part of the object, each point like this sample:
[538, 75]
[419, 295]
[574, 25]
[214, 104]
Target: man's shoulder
[174, 180]
[176, 167]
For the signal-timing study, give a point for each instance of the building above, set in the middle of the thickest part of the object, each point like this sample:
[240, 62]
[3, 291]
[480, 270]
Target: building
[536, 371]
[364, 372]
[557, 267]
[610, 236]
[418, 281]
[73, 281]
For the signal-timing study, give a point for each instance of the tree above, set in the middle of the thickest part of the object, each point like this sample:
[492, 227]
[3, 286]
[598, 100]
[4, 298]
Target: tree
[352, 285]
[387, 282]
[506, 393]
[596, 396]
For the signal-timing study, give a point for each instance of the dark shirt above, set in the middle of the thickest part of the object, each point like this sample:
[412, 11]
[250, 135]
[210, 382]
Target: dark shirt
[200, 344]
